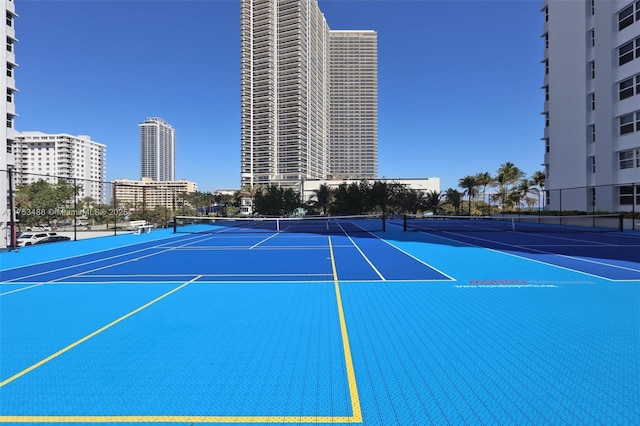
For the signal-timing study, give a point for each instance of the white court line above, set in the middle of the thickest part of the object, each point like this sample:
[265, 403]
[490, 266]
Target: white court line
[260, 242]
[362, 254]
[521, 257]
[88, 263]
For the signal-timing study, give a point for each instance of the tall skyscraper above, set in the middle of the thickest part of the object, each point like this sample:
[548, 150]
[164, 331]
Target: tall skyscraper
[7, 132]
[287, 97]
[157, 150]
[353, 71]
[592, 104]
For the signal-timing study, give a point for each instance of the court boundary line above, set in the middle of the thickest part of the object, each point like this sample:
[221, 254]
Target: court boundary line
[356, 410]
[89, 336]
[527, 258]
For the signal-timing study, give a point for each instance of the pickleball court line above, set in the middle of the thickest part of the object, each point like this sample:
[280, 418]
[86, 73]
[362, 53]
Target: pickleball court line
[92, 270]
[89, 336]
[356, 416]
[528, 258]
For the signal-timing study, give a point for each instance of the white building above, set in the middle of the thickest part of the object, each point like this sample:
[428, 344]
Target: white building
[353, 71]
[7, 132]
[286, 96]
[148, 193]
[50, 157]
[592, 104]
[157, 150]
[423, 185]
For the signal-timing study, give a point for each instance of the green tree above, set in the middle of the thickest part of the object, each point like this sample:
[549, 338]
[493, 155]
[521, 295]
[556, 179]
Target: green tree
[454, 199]
[538, 179]
[323, 198]
[432, 201]
[470, 186]
[484, 180]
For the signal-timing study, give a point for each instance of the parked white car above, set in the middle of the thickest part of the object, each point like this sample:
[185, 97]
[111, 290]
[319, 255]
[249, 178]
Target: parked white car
[42, 227]
[30, 238]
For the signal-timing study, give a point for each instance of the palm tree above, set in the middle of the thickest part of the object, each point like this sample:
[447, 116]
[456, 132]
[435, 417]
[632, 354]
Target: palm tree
[454, 197]
[323, 195]
[522, 190]
[537, 179]
[470, 185]
[508, 176]
[432, 201]
[484, 180]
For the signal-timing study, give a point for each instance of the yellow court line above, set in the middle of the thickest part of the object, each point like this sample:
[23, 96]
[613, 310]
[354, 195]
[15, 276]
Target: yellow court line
[351, 375]
[84, 339]
[356, 416]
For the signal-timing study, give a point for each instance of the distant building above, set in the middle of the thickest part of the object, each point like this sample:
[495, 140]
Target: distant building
[292, 66]
[353, 94]
[148, 193]
[7, 132]
[592, 104]
[50, 157]
[423, 185]
[157, 150]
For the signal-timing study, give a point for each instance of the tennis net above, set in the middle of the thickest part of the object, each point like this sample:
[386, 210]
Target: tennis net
[307, 224]
[580, 223]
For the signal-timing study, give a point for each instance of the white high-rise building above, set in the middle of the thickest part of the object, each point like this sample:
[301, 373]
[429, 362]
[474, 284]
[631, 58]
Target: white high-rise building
[592, 104]
[7, 132]
[157, 150]
[353, 92]
[286, 93]
[51, 157]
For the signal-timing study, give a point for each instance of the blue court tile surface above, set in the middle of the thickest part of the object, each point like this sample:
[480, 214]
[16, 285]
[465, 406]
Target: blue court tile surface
[383, 328]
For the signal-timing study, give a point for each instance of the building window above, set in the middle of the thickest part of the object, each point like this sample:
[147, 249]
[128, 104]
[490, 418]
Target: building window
[629, 123]
[626, 195]
[592, 130]
[9, 20]
[546, 119]
[9, 45]
[9, 121]
[628, 15]
[593, 7]
[546, 66]
[546, 40]
[629, 51]
[592, 69]
[629, 87]
[592, 100]
[629, 158]
[9, 70]
[546, 145]
[592, 160]
[546, 14]
[9, 95]
[592, 34]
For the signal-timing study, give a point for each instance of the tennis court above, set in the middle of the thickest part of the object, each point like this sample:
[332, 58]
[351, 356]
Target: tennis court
[337, 323]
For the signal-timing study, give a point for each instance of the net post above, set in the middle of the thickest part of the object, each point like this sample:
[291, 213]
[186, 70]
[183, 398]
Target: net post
[277, 225]
[175, 225]
[621, 222]
[513, 224]
[404, 222]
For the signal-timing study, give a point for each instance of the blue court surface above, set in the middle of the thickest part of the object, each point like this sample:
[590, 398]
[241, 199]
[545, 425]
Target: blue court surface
[374, 328]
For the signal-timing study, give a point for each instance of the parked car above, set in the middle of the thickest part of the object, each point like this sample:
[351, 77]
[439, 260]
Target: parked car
[53, 239]
[30, 238]
[41, 227]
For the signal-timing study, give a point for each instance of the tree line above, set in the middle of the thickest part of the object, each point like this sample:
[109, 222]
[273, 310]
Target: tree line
[42, 202]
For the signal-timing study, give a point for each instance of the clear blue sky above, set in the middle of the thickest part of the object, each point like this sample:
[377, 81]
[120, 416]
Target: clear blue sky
[458, 81]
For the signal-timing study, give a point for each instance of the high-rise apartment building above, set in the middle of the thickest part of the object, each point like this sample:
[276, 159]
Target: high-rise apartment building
[287, 98]
[353, 135]
[592, 104]
[51, 157]
[7, 132]
[157, 150]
